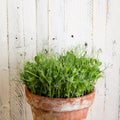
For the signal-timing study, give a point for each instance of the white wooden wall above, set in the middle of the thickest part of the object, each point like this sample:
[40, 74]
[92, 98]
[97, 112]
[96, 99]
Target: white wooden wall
[27, 26]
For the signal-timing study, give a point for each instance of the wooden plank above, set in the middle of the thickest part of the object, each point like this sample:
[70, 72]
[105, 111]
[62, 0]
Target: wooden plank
[16, 57]
[29, 23]
[119, 97]
[78, 24]
[113, 53]
[99, 27]
[57, 25]
[4, 70]
[42, 26]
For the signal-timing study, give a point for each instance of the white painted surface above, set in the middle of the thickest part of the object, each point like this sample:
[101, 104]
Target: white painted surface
[27, 26]
[4, 64]
[15, 50]
[42, 24]
[29, 36]
[57, 25]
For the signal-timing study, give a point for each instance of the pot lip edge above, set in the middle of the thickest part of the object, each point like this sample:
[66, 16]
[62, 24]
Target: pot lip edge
[38, 96]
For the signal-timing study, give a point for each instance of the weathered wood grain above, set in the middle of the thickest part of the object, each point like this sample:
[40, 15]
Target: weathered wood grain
[98, 29]
[42, 25]
[57, 25]
[4, 64]
[78, 22]
[29, 28]
[16, 57]
[113, 56]
[29, 34]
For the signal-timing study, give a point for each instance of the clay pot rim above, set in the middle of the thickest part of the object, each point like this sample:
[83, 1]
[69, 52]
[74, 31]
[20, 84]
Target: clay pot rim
[38, 96]
[59, 104]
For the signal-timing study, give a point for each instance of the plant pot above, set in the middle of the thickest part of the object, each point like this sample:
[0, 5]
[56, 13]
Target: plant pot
[44, 108]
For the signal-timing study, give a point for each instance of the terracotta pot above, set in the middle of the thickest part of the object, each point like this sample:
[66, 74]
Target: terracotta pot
[44, 108]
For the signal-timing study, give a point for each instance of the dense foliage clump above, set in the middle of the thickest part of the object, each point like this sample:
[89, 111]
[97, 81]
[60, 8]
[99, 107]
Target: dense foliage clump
[67, 75]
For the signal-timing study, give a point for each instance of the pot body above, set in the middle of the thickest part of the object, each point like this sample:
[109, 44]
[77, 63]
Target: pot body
[44, 108]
